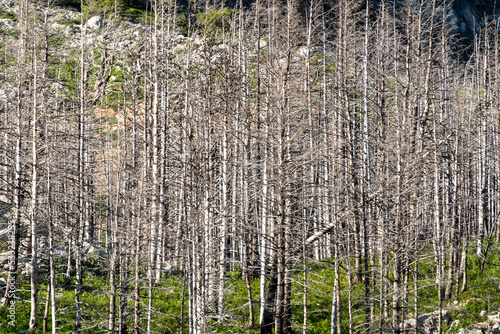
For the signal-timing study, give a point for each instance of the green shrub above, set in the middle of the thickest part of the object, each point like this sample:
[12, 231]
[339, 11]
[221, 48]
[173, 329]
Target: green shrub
[69, 22]
[217, 19]
[7, 15]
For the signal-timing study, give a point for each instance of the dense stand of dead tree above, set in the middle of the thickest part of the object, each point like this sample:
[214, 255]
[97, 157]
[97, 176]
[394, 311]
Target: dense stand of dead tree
[269, 137]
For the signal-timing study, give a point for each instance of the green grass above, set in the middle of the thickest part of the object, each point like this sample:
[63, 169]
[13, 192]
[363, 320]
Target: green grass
[482, 294]
[216, 20]
[135, 15]
[69, 22]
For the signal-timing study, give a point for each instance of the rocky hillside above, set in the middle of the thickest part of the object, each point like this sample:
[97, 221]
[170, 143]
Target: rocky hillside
[465, 16]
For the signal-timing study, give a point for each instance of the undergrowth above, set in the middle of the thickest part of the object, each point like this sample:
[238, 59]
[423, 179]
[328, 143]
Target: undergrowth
[481, 295]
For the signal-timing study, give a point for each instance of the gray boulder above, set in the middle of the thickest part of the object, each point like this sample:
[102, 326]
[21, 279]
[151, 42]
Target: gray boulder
[494, 318]
[479, 328]
[7, 24]
[27, 269]
[427, 323]
[57, 26]
[95, 22]
[91, 249]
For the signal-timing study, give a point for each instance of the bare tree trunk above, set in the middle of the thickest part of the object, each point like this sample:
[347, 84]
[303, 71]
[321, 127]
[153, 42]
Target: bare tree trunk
[52, 273]
[336, 321]
[263, 235]
[463, 262]
[34, 202]
[10, 287]
[153, 244]
[437, 228]
[46, 310]
[137, 280]
[224, 227]
[112, 261]
[124, 296]
[365, 179]
[81, 178]
[266, 324]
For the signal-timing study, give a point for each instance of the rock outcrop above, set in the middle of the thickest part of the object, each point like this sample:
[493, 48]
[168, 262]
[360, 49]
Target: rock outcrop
[427, 323]
[95, 22]
[481, 328]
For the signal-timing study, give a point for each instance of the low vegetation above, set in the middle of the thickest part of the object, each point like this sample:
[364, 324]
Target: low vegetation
[481, 296]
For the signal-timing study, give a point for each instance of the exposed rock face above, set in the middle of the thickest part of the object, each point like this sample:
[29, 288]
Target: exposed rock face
[465, 17]
[471, 14]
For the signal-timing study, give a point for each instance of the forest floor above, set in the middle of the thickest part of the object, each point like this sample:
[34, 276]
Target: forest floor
[479, 303]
